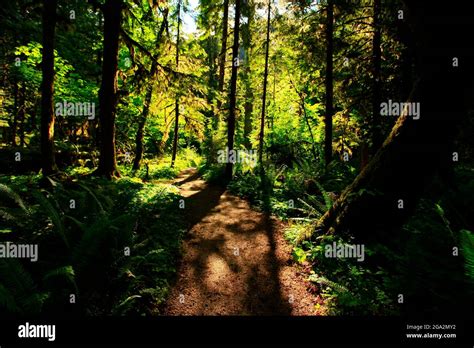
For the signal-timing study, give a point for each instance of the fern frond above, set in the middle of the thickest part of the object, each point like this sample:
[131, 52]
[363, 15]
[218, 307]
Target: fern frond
[312, 210]
[34, 302]
[467, 248]
[123, 225]
[324, 281]
[8, 193]
[7, 300]
[89, 244]
[94, 196]
[53, 214]
[327, 199]
[66, 272]
[20, 283]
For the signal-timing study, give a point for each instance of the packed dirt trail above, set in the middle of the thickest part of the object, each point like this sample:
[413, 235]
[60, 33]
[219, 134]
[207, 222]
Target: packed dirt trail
[235, 259]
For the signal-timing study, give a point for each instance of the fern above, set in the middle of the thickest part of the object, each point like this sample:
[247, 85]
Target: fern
[7, 300]
[467, 247]
[123, 228]
[66, 272]
[94, 196]
[328, 201]
[20, 283]
[90, 242]
[13, 211]
[54, 215]
[6, 215]
[277, 175]
[312, 211]
[324, 281]
[127, 300]
[7, 193]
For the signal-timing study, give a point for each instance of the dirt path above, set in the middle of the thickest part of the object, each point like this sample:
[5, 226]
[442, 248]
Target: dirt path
[235, 259]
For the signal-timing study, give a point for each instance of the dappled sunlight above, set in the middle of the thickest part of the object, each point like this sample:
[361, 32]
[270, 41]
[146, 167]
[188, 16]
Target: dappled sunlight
[231, 264]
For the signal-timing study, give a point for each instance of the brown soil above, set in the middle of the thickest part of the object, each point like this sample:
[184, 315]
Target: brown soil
[235, 259]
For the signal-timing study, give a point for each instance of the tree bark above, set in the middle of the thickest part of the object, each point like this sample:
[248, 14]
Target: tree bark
[247, 73]
[329, 84]
[139, 148]
[222, 55]
[108, 90]
[15, 116]
[233, 89]
[265, 81]
[142, 122]
[176, 106]
[164, 138]
[22, 114]
[47, 89]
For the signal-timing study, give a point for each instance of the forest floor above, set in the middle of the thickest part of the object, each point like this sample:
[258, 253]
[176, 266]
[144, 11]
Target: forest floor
[235, 259]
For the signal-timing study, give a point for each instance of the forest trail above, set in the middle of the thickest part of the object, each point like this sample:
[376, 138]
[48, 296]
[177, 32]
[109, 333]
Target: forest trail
[235, 259]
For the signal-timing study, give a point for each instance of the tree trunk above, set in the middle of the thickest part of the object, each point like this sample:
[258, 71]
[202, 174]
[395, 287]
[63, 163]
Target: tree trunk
[416, 149]
[248, 110]
[222, 55]
[141, 124]
[247, 73]
[210, 123]
[233, 90]
[175, 134]
[22, 114]
[139, 148]
[15, 116]
[329, 84]
[164, 138]
[305, 115]
[176, 107]
[95, 123]
[108, 90]
[265, 81]
[376, 131]
[47, 89]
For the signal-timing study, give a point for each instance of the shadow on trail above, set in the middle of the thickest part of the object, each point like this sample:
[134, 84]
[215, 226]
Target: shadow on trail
[193, 176]
[200, 204]
[247, 283]
[267, 298]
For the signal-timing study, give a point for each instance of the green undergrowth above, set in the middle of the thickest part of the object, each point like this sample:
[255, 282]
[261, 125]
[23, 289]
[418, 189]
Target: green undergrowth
[303, 192]
[431, 265]
[109, 246]
[347, 286]
[152, 169]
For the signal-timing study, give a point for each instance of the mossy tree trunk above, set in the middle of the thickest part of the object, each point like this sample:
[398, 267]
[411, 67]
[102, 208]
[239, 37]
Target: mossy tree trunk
[386, 192]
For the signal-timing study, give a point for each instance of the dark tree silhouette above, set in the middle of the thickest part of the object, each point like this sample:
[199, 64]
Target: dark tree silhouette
[233, 90]
[176, 104]
[112, 10]
[265, 81]
[47, 89]
[329, 83]
[222, 55]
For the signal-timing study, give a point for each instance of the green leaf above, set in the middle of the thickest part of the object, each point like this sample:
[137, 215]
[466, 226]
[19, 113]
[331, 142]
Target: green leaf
[299, 255]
